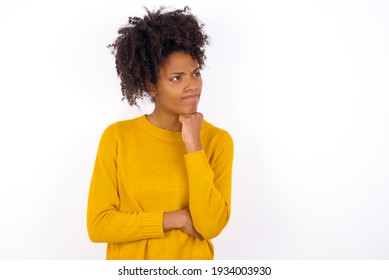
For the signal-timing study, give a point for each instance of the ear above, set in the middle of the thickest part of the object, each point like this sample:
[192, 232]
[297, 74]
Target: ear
[152, 90]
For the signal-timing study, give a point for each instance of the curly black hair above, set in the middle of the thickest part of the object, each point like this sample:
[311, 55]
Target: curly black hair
[144, 44]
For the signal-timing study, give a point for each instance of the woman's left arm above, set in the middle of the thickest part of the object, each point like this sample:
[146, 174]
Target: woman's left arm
[209, 186]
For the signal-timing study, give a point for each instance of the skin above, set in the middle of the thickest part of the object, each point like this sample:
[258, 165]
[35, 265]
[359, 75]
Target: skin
[177, 94]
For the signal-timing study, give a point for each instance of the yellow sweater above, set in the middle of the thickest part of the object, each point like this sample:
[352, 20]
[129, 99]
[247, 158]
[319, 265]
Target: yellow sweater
[142, 171]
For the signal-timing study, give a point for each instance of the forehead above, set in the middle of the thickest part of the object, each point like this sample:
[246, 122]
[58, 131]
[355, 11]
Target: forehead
[179, 61]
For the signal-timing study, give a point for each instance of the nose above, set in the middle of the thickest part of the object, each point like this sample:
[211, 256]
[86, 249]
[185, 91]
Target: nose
[193, 83]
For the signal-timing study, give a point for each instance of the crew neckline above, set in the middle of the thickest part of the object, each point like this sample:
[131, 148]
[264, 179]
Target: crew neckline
[164, 133]
[158, 131]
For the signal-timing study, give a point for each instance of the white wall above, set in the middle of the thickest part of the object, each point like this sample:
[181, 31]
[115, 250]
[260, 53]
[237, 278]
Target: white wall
[302, 86]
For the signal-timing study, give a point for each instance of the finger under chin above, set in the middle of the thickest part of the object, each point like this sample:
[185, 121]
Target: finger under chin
[183, 118]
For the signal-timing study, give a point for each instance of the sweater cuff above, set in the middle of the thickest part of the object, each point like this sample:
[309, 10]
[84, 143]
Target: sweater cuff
[152, 225]
[197, 165]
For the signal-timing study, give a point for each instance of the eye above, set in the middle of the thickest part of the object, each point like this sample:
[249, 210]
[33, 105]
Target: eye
[197, 74]
[176, 78]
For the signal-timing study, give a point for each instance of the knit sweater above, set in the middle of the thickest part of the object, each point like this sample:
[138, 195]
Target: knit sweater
[142, 171]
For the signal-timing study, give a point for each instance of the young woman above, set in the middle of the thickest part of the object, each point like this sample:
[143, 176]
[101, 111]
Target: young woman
[161, 185]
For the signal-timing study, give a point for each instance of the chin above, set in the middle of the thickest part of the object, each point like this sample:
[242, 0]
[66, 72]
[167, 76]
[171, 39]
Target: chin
[189, 112]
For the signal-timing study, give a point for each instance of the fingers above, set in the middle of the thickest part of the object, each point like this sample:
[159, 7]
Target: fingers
[185, 118]
[189, 228]
[195, 233]
[199, 236]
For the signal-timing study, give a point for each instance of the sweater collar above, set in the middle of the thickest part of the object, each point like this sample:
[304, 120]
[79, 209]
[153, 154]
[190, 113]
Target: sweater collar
[159, 132]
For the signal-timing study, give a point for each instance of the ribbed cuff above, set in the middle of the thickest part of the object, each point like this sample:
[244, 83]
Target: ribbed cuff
[152, 225]
[197, 166]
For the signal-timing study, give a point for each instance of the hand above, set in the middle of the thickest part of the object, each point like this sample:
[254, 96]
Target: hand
[191, 127]
[187, 226]
[182, 220]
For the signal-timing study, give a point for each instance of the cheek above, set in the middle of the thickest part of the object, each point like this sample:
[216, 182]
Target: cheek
[200, 84]
[169, 96]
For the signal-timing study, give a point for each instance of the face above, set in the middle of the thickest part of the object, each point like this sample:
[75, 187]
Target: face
[178, 86]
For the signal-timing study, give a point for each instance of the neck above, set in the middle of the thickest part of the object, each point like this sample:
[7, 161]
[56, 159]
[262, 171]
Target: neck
[165, 121]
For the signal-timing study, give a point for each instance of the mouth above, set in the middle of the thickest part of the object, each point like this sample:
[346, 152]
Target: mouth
[194, 97]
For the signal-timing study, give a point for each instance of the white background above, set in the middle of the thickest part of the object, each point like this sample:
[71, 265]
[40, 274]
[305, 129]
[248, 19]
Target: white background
[302, 86]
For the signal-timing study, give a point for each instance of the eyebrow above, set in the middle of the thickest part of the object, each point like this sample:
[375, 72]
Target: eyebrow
[181, 73]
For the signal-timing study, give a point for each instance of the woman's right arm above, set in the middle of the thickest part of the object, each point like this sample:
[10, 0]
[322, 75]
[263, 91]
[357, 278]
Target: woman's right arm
[182, 220]
[105, 222]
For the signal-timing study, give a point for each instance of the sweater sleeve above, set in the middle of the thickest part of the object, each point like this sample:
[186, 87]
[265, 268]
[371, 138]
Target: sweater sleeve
[210, 188]
[105, 222]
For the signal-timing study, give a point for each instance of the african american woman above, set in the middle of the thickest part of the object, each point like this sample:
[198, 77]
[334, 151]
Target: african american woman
[161, 184]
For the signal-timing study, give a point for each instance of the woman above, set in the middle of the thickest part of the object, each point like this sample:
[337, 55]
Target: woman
[161, 185]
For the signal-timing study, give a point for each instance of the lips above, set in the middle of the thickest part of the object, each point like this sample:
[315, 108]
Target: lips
[192, 97]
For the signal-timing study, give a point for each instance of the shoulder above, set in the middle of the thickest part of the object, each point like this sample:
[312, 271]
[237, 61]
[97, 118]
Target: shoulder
[217, 143]
[122, 126]
[215, 133]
